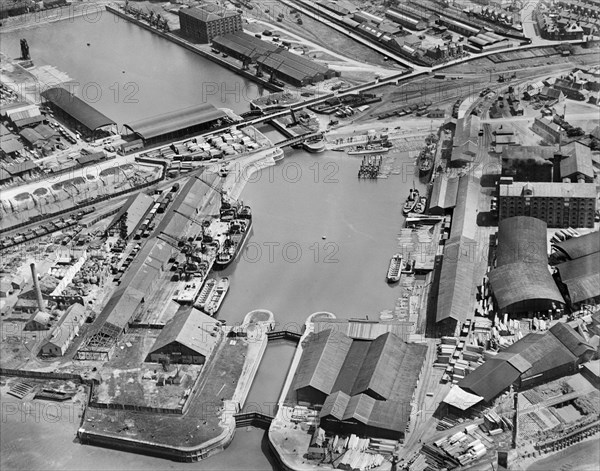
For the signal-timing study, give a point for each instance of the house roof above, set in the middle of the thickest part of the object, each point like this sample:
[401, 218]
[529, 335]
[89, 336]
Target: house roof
[192, 329]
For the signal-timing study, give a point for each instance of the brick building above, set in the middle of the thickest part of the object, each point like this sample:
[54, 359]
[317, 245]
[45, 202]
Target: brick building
[202, 24]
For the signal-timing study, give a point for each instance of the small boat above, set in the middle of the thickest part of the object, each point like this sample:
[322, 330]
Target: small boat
[393, 273]
[421, 205]
[411, 201]
[216, 298]
[369, 149]
[205, 293]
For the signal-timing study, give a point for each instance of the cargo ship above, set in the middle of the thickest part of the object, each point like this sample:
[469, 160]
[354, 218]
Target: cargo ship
[216, 297]
[235, 238]
[393, 273]
[314, 144]
[411, 201]
[368, 149]
[205, 293]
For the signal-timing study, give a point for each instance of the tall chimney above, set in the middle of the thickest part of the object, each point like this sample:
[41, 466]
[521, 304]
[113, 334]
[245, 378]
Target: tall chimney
[36, 287]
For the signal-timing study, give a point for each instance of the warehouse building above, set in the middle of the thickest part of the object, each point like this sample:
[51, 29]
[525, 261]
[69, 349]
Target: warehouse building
[557, 204]
[203, 24]
[177, 124]
[364, 387]
[64, 332]
[535, 359]
[77, 113]
[134, 210]
[273, 59]
[577, 247]
[580, 280]
[188, 338]
[521, 282]
[405, 20]
[576, 163]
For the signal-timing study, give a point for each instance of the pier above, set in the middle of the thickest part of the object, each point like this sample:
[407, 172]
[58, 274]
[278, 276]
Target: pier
[370, 166]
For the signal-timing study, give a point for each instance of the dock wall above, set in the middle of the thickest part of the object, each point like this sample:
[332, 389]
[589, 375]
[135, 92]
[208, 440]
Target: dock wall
[190, 47]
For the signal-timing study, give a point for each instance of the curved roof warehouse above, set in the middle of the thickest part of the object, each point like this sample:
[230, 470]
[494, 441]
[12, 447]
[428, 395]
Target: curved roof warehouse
[176, 123]
[88, 118]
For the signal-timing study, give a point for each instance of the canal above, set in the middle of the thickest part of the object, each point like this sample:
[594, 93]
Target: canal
[321, 240]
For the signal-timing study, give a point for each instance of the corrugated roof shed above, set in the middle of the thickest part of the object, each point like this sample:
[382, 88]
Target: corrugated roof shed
[76, 108]
[522, 281]
[521, 239]
[21, 167]
[582, 277]
[364, 329]
[31, 136]
[11, 145]
[136, 207]
[322, 360]
[464, 219]
[62, 333]
[456, 280]
[359, 408]
[177, 120]
[490, 379]
[579, 161]
[581, 246]
[570, 339]
[192, 329]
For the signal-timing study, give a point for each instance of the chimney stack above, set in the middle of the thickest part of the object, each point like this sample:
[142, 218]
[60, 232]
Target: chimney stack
[37, 289]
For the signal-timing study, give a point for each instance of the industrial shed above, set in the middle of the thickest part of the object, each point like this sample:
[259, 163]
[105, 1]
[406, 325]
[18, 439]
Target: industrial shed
[581, 279]
[578, 247]
[69, 107]
[189, 338]
[443, 194]
[536, 358]
[65, 331]
[292, 68]
[178, 123]
[134, 210]
[521, 282]
[38, 321]
[371, 383]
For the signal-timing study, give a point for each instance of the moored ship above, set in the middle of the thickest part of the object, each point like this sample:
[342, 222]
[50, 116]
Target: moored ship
[393, 273]
[205, 293]
[411, 201]
[368, 149]
[235, 238]
[217, 296]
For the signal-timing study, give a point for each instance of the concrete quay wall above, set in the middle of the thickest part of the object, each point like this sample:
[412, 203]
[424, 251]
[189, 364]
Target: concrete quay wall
[189, 46]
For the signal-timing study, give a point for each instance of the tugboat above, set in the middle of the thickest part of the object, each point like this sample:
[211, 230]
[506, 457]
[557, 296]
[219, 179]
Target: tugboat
[411, 201]
[421, 205]
[393, 273]
[216, 298]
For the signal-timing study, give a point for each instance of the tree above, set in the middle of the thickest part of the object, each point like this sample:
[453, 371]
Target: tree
[572, 132]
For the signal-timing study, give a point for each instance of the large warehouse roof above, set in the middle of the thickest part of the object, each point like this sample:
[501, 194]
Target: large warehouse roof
[532, 355]
[175, 120]
[581, 246]
[322, 360]
[521, 239]
[456, 280]
[375, 382]
[192, 329]
[582, 277]
[76, 108]
[522, 281]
